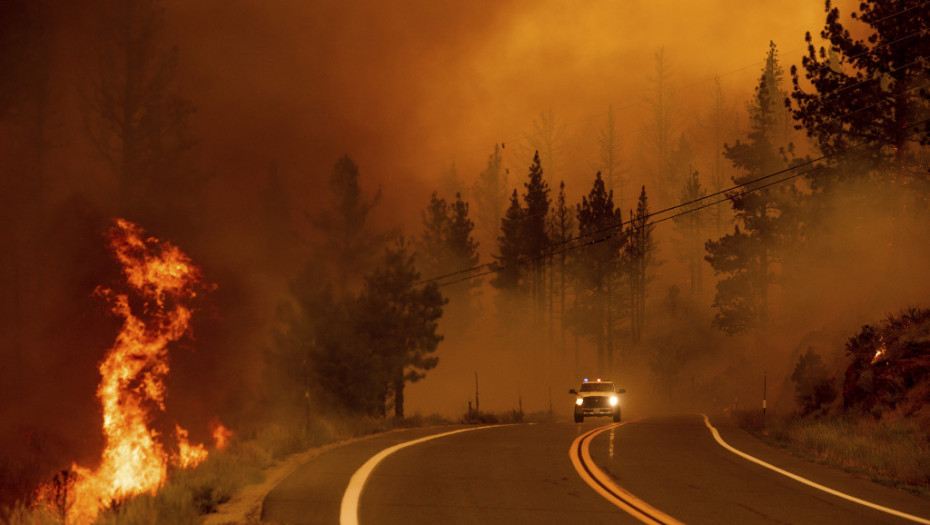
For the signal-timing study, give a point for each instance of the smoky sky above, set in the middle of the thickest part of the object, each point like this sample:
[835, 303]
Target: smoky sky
[410, 88]
[405, 88]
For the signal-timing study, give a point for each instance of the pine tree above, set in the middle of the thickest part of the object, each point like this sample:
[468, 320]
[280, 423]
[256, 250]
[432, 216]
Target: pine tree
[597, 267]
[432, 247]
[510, 274]
[662, 127]
[639, 259]
[536, 238]
[489, 194]
[690, 225]
[561, 229]
[716, 122]
[398, 321]
[870, 92]
[610, 145]
[463, 254]
[546, 141]
[351, 240]
[745, 257]
[138, 117]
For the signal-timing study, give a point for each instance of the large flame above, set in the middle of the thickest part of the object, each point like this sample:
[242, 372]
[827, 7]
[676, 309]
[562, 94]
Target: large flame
[132, 385]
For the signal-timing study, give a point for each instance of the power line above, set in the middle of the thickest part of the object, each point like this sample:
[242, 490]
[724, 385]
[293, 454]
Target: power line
[490, 268]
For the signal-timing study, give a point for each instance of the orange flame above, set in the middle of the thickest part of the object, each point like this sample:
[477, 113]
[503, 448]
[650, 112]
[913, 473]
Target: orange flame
[132, 385]
[221, 435]
[188, 455]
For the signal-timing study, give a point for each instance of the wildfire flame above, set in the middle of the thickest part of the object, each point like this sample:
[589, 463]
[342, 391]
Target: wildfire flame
[221, 435]
[132, 385]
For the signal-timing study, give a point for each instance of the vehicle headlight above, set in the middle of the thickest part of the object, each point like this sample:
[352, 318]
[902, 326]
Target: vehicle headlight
[614, 400]
[579, 401]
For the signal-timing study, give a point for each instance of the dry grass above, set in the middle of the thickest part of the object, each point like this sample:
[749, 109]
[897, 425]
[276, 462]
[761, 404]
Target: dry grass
[190, 494]
[894, 452]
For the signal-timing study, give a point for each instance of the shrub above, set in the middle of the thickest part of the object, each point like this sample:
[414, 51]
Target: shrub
[814, 389]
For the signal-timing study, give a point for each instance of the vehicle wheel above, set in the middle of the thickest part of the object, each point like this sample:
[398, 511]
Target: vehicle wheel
[579, 418]
[617, 417]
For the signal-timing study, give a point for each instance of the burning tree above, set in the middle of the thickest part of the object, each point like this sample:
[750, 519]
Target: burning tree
[890, 365]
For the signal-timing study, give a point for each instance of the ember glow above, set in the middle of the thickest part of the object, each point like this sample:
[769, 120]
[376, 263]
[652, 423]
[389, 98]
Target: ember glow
[132, 385]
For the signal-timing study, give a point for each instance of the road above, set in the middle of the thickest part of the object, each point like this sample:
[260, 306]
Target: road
[525, 474]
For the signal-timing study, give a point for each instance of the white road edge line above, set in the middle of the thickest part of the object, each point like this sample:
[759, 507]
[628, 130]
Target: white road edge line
[348, 511]
[810, 483]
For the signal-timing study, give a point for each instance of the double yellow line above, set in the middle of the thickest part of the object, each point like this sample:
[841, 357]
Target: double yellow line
[598, 480]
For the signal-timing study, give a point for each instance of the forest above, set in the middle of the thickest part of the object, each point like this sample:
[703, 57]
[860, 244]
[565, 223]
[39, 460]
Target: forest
[694, 234]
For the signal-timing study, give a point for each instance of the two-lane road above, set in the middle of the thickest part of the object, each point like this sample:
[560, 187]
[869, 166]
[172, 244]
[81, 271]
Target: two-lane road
[525, 474]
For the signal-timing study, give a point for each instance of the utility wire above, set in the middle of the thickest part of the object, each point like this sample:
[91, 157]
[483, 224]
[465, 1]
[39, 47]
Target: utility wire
[490, 268]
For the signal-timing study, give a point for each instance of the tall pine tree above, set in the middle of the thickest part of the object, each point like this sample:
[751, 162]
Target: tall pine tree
[639, 260]
[745, 258]
[597, 267]
[870, 92]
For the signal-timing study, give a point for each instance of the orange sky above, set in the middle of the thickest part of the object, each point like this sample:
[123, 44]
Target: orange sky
[409, 89]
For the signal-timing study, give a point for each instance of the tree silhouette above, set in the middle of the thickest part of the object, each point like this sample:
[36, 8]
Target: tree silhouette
[445, 246]
[509, 276]
[639, 260]
[350, 239]
[597, 268]
[139, 120]
[489, 194]
[398, 320]
[745, 257]
[868, 91]
[561, 229]
[690, 225]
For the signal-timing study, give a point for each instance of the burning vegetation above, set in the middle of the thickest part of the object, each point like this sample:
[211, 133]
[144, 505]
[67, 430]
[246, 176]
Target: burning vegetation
[669, 227]
[890, 371]
[156, 312]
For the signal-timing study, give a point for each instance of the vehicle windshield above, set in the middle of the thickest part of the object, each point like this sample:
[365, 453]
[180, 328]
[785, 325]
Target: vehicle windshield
[597, 387]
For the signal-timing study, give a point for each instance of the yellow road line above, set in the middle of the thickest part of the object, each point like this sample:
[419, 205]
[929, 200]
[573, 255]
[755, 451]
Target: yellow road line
[602, 483]
[810, 483]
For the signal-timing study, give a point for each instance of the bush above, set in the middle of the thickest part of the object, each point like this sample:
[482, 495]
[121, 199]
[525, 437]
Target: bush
[814, 389]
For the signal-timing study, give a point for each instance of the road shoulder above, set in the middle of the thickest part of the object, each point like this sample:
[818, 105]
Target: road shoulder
[856, 485]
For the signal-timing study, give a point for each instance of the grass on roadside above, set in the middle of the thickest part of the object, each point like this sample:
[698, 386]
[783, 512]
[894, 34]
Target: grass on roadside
[893, 452]
[191, 493]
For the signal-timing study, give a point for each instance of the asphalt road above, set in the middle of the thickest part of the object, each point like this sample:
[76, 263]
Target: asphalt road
[524, 474]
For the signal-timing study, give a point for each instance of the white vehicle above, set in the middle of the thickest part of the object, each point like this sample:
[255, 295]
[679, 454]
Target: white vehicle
[597, 398]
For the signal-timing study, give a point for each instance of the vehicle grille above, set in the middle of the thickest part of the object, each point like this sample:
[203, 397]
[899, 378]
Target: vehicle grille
[596, 402]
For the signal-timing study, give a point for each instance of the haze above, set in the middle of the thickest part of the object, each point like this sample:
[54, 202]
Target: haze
[418, 95]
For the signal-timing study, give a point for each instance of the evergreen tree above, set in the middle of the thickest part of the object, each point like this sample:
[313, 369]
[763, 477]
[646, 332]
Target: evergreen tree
[535, 236]
[717, 123]
[350, 239]
[510, 274]
[399, 320]
[662, 128]
[745, 257]
[610, 145]
[561, 229]
[432, 248]
[869, 91]
[139, 119]
[445, 246]
[489, 194]
[546, 141]
[690, 225]
[318, 361]
[639, 259]
[597, 267]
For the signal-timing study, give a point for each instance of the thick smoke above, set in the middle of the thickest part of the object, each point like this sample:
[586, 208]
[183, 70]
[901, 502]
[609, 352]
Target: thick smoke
[282, 90]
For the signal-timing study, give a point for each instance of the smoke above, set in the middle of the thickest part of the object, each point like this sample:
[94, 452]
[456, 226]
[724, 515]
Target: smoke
[284, 89]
